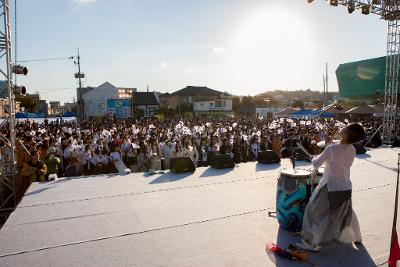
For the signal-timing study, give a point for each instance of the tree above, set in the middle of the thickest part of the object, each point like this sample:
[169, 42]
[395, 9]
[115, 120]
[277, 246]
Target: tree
[235, 103]
[247, 101]
[27, 102]
[166, 113]
[298, 104]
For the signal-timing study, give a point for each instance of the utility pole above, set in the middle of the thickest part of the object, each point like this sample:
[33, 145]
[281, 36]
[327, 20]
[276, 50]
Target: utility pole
[80, 87]
[79, 75]
[323, 95]
[326, 85]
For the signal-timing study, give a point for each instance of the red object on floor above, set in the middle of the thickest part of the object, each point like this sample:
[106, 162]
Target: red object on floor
[394, 255]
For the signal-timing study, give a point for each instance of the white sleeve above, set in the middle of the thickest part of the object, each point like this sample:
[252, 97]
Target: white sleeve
[326, 155]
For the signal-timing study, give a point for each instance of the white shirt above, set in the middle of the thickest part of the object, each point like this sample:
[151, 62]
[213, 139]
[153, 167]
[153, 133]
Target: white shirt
[338, 159]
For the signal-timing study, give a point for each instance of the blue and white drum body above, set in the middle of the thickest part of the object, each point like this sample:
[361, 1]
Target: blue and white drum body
[293, 192]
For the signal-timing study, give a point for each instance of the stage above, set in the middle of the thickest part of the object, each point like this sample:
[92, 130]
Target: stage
[208, 218]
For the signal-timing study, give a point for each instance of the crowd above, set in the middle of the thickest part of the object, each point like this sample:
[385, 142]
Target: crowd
[94, 146]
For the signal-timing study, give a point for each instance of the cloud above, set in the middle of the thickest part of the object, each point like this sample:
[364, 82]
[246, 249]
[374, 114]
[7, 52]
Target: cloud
[219, 50]
[164, 64]
[83, 2]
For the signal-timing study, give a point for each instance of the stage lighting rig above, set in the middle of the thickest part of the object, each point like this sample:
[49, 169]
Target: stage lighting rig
[20, 70]
[333, 2]
[351, 7]
[388, 10]
[19, 90]
[365, 9]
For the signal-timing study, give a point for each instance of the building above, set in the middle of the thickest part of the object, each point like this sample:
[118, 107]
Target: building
[4, 107]
[35, 99]
[188, 95]
[147, 103]
[43, 107]
[213, 107]
[55, 108]
[95, 99]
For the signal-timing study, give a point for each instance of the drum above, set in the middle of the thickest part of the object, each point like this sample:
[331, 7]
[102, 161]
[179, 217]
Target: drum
[293, 192]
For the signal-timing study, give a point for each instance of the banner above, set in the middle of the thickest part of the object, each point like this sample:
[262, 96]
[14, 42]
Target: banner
[121, 108]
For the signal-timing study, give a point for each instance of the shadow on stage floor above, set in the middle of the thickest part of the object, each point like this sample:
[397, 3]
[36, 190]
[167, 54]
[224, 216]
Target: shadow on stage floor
[215, 172]
[169, 177]
[335, 254]
[267, 167]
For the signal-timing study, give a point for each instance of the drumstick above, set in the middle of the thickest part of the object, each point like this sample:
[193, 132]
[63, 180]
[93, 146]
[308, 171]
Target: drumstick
[304, 150]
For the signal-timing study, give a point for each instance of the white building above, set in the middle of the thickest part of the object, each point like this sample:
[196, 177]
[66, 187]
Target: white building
[95, 100]
[213, 107]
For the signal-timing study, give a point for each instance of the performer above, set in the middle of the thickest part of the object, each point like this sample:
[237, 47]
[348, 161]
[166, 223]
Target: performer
[329, 215]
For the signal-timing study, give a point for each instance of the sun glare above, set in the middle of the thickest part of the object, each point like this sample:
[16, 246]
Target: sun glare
[269, 41]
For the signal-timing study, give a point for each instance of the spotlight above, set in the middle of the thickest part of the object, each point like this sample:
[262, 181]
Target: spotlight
[18, 69]
[310, 1]
[365, 9]
[350, 8]
[19, 90]
[333, 2]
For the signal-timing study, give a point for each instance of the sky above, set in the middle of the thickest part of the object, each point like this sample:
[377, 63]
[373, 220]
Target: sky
[244, 47]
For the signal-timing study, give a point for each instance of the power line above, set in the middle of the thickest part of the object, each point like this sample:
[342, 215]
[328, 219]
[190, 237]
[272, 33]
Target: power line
[45, 59]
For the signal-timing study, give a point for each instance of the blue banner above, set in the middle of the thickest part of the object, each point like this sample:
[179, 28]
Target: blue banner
[121, 108]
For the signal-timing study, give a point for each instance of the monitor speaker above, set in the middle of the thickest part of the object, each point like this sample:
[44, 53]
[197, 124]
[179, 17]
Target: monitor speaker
[181, 165]
[268, 157]
[222, 161]
[360, 149]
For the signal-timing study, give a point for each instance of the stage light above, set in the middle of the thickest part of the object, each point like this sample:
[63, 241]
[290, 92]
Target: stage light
[310, 1]
[365, 9]
[350, 8]
[18, 69]
[333, 2]
[19, 90]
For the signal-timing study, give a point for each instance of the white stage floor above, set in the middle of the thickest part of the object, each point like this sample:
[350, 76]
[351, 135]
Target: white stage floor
[209, 218]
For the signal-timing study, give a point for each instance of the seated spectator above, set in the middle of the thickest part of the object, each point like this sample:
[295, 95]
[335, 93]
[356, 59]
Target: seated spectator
[52, 162]
[34, 168]
[74, 168]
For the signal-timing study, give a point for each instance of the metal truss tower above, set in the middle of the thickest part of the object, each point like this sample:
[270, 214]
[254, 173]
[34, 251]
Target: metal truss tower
[388, 10]
[8, 192]
[392, 72]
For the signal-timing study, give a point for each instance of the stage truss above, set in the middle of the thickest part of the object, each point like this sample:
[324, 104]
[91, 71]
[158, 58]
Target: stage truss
[8, 188]
[388, 10]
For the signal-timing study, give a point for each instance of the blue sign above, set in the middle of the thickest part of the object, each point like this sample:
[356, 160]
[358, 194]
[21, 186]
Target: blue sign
[121, 108]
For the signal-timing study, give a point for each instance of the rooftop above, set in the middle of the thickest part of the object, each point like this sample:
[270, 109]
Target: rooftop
[197, 91]
[146, 98]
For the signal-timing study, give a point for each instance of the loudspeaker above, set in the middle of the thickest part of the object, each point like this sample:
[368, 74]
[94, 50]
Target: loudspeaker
[222, 161]
[268, 157]
[182, 165]
[360, 149]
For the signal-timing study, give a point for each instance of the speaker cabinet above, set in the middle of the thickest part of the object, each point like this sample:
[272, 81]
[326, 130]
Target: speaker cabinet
[268, 157]
[182, 165]
[222, 161]
[360, 149]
